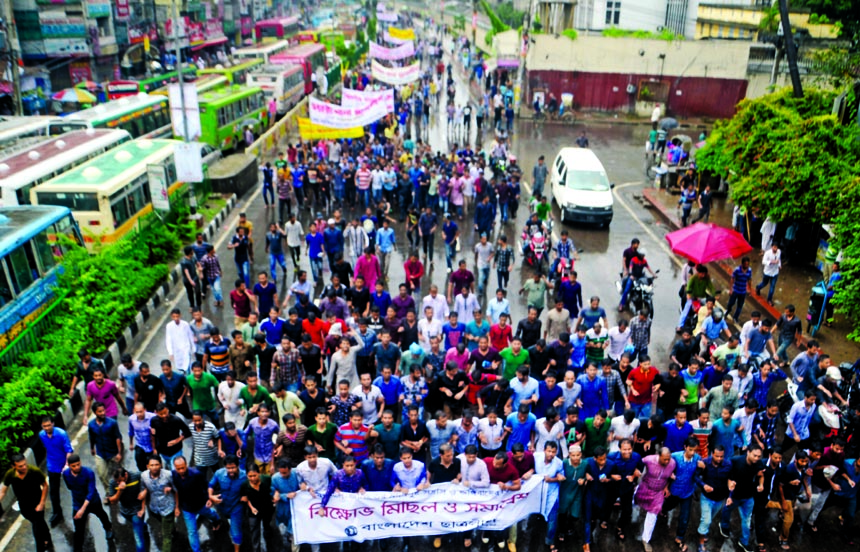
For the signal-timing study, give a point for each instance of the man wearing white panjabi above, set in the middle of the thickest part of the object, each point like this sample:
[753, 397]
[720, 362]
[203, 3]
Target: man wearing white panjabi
[180, 342]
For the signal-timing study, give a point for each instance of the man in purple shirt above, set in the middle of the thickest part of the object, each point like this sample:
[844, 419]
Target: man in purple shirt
[346, 480]
[403, 303]
[460, 278]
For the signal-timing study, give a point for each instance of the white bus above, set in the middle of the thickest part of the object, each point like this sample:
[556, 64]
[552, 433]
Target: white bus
[17, 133]
[263, 51]
[110, 193]
[285, 83]
[42, 162]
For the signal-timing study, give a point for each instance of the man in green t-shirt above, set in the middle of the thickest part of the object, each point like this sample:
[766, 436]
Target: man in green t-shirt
[596, 433]
[389, 435]
[321, 435]
[535, 290]
[543, 209]
[203, 388]
[254, 395]
[514, 357]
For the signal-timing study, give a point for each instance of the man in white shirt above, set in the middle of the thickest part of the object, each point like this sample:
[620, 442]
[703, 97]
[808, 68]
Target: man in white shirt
[491, 432]
[655, 115]
[741, 382]
[622, 427]
[619, 338]
[428, 328]
[438, 302]
[547, 429]
[770, 265]
[179, 340]
[750, 326]
[745, 416]
[295, 235]
[372, 401]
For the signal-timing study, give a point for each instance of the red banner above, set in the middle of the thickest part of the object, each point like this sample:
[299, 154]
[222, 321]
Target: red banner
[122, 10]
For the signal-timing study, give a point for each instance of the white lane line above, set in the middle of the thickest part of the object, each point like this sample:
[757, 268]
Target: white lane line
[10, 534]
[163, 319]
[660, 242]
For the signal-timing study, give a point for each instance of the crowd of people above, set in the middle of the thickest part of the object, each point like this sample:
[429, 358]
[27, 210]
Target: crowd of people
[364, 383]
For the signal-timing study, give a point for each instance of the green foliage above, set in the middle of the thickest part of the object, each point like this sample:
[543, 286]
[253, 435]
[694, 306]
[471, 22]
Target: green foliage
[844, 13]
[837, 67]
[570, 33]
[488, 37]
[816, 19]
[105, 292]
[665, 34]
[537, 26]
[460, 23]
[510, 16]
[770, 21]
[789, 159]
[497, 25]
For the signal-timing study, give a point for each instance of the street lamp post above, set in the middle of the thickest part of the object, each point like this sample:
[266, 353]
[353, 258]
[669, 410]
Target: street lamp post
[192, 199]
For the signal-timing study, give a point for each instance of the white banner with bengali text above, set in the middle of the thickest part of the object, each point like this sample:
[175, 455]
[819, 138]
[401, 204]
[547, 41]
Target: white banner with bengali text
[441, 509]
[359, 98]
[336, 116]
[392, 54]
[395, 75]
[387, 17]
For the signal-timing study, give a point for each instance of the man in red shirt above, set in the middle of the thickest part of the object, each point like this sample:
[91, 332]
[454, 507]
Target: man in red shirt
[414, 271]
[644, 386]
[501, 333]
[316, 328]
[505, 475]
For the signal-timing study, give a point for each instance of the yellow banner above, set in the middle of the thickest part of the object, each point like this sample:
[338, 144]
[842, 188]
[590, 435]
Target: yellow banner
[310, 131]
[401, 34]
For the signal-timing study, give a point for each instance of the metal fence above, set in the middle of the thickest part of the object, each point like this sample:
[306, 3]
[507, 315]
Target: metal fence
[30, 337]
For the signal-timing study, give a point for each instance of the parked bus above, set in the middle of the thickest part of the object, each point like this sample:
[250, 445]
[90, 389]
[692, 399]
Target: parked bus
[142, 116]
[42, 162]
[285, 83]
[309, 57]
[122, 88]
[308, 37]
[29, 263]
[110, 193]
[20, 132]
[263, 51]
[205, 83]
[226, 113]
[273, 30]
[236, 74]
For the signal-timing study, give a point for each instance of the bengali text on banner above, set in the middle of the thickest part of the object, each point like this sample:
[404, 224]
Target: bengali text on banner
[310, 131]
[401, 34]
[336, 116]
[395, 75]
[357, 98]
[381, 52]
[441, 509]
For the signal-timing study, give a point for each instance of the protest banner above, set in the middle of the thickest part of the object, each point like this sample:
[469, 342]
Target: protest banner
[310, 131]
[392, 40]
[441, 509]
[387, 17]
[395, 75]
[337, 116]
[401, 34]
[358, 98]
[381, 52]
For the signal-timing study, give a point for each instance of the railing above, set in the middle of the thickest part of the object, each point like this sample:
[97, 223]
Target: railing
[30, 338]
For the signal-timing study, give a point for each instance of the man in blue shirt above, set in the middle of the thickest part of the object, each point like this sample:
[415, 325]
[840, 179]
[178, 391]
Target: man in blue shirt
[273, 327]
[741, 277]
[594, 395]
[519, 426]
[390, 387]
[386, 243]
[225, 492]
[450, 231]
[316, 249]
[804, 368]
[81, 483]
[683, 487]
[378, 470]
[333, 240]
[105, 443]
[191, 488]
[58, 448]
[677, 431]
[759, 340]
[285, 485]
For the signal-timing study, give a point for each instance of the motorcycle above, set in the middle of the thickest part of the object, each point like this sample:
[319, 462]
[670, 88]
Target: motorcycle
[537, 247]
[641, 294]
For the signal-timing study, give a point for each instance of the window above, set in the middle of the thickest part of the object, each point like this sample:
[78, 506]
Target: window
[613, 12]
[74, 201]
[44, 249]
[22, 267]
[5, 288]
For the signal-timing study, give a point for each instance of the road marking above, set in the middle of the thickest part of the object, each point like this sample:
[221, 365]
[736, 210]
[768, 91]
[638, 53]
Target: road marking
[527, 187]
[10, 534]
[660, 242]
[163, 319]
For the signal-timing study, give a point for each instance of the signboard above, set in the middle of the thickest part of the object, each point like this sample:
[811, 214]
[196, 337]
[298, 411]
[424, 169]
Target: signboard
[381, 52]
[158, 187]
[189, 162]
[336, 116]
[122, 9]
[184, 110]
[441, 509]
[120, 88]
[80, 71]
[395, 75]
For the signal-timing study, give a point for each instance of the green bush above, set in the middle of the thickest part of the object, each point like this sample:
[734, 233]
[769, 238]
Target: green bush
[570, 33]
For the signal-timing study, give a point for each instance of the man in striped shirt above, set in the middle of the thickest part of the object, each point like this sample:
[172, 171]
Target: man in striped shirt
[204, 436]
[351, 438]
[362, 181]
[504, 261]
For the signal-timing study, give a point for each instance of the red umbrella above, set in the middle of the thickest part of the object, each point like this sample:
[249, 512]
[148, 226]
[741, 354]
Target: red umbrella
[707, 242]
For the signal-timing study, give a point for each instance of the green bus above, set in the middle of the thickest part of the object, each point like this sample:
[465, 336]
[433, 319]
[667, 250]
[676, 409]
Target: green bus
[236, 74]
[225, 113]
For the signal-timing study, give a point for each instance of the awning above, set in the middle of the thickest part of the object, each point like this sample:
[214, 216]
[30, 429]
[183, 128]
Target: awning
[507, 63]
[213, 42]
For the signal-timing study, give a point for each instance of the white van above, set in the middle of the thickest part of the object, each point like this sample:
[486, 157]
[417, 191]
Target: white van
[580, 187]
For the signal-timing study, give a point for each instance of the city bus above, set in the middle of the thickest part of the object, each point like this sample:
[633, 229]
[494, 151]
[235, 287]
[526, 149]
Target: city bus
[21, 132]
[42, 162]
[142, 116]
[309, 57]
[122, 88]
[273, 30]
[224, 115]
[29, 265]
[285, 83]
[110, 193]
[308, 37]
[263, 51]
[236, 74]
[205, 83]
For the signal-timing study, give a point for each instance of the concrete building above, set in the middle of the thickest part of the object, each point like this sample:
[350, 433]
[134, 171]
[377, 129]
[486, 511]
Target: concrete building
[556, 15]
[742, 19]
[637, 15]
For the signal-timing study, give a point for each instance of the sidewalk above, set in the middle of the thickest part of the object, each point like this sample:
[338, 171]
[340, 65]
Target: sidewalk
[792, 287]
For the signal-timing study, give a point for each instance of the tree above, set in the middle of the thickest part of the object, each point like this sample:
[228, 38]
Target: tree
[789, 159]
[846, 12]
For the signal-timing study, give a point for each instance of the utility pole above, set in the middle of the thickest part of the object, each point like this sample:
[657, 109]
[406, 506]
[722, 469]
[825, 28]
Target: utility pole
[474, 23]
[12, 46]
[192, 199]
[790, 50]
[524, 49]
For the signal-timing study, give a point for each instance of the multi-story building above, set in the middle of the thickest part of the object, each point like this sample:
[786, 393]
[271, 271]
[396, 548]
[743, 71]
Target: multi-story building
[743, 19]
[679, 16]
